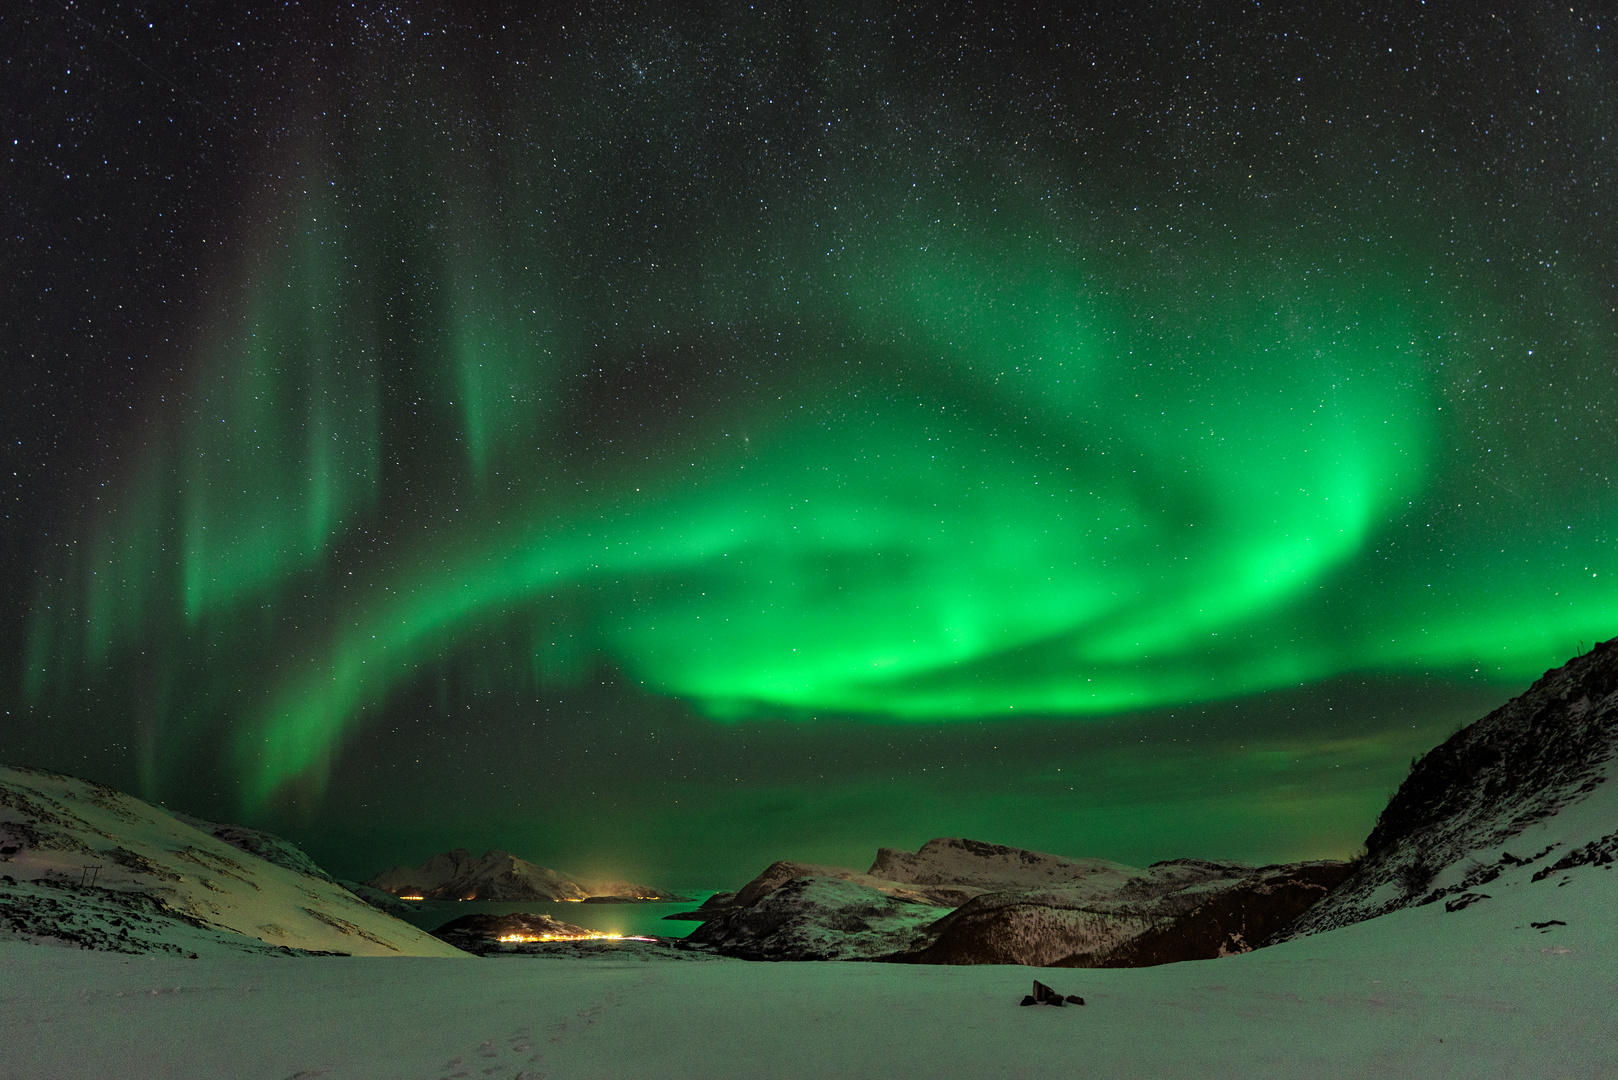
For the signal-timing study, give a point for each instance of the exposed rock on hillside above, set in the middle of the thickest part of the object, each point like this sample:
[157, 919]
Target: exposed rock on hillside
[83, 864]
[1520, 794]
[500, 875]
[267, 846]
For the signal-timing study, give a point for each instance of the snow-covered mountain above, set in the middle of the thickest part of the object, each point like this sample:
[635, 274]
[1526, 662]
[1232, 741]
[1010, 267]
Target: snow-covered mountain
[973, 864]
[500, 875]
[83, 864]
[1517, 800]
[1010, 907]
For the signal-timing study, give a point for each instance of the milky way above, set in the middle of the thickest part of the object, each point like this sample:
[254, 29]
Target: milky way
[796, 365]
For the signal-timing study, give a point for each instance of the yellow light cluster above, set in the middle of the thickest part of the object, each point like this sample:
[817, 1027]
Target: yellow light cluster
[569, 937]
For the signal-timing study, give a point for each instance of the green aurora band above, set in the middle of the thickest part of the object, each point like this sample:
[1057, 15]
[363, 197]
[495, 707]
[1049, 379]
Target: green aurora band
[840, 441]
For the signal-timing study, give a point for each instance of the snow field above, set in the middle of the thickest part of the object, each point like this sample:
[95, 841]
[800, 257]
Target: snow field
[1422, 992]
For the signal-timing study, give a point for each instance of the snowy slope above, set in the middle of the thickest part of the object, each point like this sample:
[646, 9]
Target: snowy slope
[1524, 792]
[83, 864]
[500, 875]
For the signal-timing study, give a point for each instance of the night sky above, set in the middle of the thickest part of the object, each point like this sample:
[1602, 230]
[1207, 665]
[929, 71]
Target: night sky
[660, 441]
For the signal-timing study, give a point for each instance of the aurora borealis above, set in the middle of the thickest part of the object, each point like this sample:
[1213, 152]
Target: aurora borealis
[842, 396]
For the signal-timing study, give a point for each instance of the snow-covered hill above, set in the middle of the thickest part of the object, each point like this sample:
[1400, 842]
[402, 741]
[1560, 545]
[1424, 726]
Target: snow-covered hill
[1513, 801]
[500, 875]
[82, 864]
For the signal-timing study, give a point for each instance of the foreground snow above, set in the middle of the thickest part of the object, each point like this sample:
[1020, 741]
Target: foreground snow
[1478, 992]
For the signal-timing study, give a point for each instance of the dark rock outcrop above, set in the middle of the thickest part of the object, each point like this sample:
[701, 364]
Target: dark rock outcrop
[1235, 920]
[1088, 924]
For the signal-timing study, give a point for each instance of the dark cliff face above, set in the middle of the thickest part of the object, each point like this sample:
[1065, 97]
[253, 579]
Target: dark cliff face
[1441, 833]
[1186, 909]
[1237, 920]
[1524, 754]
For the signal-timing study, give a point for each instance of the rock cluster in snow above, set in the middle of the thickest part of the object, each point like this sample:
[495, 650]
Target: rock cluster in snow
[960, 901]
[1519, 793]
[82, 864]
[500, 875]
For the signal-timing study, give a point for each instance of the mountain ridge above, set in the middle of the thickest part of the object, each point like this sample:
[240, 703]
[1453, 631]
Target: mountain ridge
[499, 875]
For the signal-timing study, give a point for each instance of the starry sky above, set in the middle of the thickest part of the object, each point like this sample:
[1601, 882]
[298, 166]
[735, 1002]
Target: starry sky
[662, 439]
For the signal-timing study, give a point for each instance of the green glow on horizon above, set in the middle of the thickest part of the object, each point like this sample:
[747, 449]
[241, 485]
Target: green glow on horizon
[1005, 466]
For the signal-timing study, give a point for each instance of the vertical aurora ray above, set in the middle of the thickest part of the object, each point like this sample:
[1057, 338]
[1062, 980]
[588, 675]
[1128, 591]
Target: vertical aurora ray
[281, 440]
[931, 434]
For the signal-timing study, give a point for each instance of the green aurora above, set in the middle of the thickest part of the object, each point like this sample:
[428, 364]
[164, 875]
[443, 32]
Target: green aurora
[831, 422]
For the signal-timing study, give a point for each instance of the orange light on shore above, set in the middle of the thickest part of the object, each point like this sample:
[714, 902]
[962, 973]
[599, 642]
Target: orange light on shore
[520, 938]
[412, 898]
